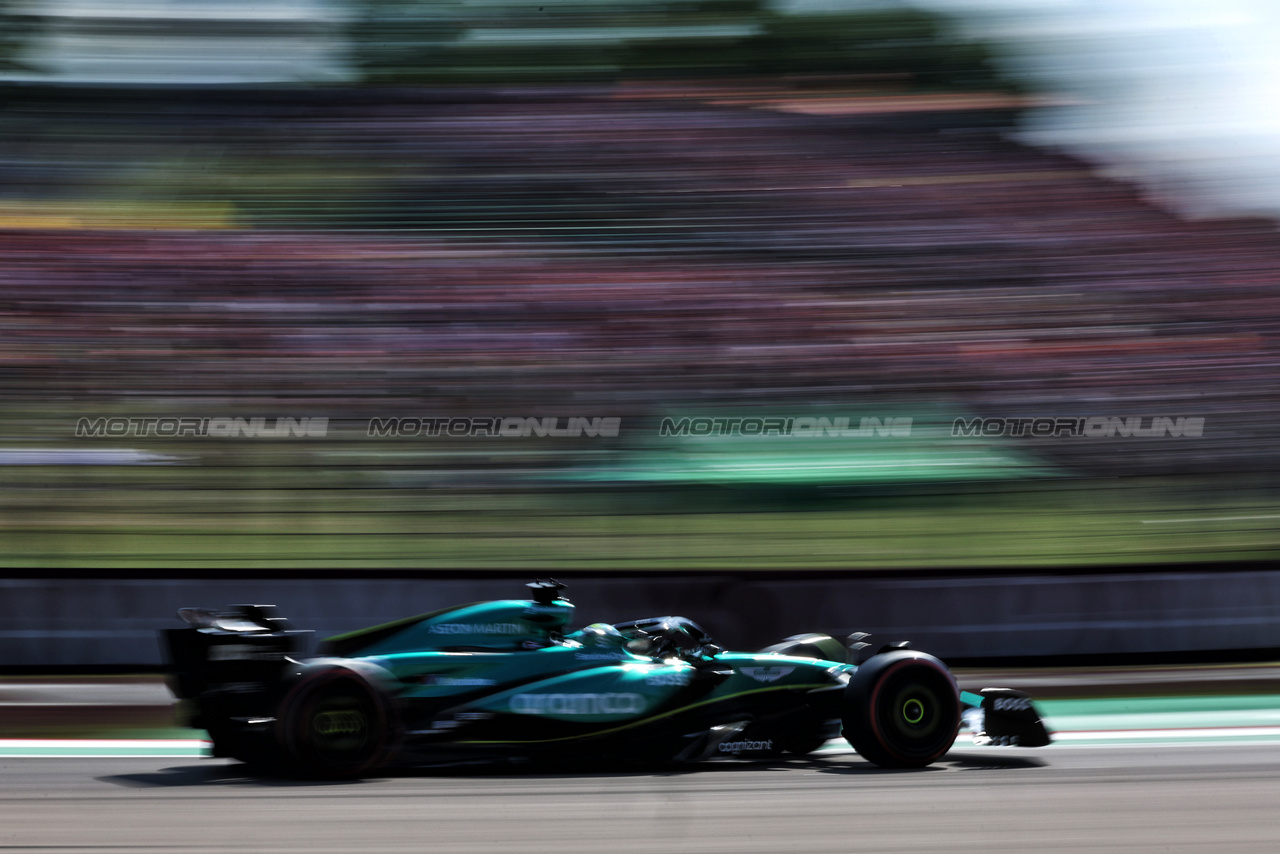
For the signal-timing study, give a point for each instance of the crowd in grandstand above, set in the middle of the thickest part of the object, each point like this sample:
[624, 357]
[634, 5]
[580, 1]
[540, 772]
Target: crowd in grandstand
[627, 254]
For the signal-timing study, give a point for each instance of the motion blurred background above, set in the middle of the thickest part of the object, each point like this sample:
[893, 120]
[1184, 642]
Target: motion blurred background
[648, 210]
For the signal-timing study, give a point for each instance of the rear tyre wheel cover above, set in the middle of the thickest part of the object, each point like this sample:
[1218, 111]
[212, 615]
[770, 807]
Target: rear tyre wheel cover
[336, 724]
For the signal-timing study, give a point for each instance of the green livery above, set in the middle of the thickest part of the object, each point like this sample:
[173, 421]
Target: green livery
[506, 680]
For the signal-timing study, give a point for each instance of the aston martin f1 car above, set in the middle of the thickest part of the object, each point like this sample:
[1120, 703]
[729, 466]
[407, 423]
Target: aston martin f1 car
[506, 680]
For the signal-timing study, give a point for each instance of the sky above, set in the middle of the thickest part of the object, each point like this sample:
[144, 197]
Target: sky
[1182, 96]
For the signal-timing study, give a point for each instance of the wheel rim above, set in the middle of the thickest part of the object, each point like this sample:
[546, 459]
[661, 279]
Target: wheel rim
[917, 708]
[339, 728]
[913, 711]
[914, 714]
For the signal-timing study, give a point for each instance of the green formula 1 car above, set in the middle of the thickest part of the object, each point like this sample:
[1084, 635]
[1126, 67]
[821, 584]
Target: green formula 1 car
[506, 680]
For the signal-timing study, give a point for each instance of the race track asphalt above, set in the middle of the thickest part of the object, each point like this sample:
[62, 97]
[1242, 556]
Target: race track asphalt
[1156, 798]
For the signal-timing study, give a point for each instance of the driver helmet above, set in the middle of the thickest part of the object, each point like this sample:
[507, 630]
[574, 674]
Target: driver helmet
[601, 636]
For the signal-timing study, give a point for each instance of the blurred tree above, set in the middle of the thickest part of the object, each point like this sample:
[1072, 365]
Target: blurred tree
[404, 40]
[504, 40]
[915, 44]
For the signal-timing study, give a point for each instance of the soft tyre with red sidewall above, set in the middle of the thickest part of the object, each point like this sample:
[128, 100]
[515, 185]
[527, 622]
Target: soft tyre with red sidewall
[336, 722]
[902, 709]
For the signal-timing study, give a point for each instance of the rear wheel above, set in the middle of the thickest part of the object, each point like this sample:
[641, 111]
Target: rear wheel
[902, 710]
[336, 723]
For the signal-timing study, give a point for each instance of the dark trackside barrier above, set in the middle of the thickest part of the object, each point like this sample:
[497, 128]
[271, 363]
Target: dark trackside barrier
[68, 622]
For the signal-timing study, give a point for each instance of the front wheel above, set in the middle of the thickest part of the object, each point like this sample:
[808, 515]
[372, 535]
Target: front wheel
[901, 709]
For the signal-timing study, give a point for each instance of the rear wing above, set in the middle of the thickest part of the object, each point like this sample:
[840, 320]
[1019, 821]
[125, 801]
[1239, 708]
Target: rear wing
[245, 644]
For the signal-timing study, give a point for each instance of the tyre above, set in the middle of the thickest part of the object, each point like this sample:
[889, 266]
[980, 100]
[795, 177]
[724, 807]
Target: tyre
[336, 723]
[901, 709]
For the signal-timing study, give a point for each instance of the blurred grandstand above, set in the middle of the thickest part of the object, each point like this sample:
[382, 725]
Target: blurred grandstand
[738, 228]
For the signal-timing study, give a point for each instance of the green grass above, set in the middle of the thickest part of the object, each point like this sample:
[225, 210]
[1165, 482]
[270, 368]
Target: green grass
[350, 501]
[1063, 524]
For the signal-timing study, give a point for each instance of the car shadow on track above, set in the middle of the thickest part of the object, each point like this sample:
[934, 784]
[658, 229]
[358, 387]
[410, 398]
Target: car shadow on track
[853, 765]
[235, 774]
[218, 774]
[987, 762]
